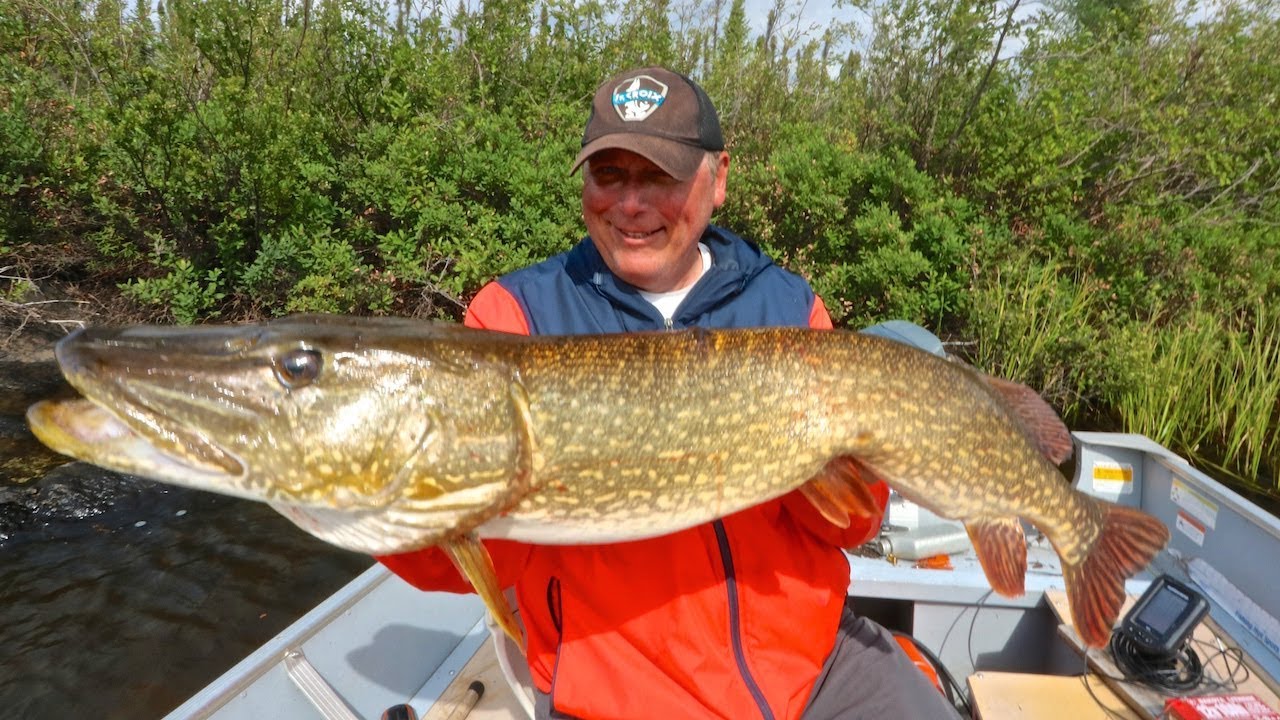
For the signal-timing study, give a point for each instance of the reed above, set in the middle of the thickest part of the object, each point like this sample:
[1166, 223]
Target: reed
[1034, 323]
[1205, 384]
[1166, 400]
[1213, 394]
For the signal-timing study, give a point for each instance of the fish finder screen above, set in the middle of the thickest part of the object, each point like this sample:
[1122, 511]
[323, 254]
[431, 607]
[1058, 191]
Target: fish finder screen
[1159, 623]
[1164, 610]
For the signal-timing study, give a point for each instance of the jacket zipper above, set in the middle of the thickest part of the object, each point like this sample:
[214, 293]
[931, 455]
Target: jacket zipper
[735, 621]
[556, 608]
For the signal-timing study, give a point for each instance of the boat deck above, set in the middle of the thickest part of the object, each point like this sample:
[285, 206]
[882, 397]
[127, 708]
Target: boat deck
[497, 701]
[379, 642]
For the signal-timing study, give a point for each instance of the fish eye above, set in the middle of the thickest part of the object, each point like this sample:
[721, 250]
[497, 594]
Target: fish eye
[298, 368]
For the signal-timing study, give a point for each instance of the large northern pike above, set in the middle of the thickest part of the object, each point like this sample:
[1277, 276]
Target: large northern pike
[383, 436]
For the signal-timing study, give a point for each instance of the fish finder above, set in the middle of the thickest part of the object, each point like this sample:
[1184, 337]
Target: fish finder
[1159, 623]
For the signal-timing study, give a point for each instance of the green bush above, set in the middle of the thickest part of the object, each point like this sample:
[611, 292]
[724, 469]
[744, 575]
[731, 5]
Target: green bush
[876, 237]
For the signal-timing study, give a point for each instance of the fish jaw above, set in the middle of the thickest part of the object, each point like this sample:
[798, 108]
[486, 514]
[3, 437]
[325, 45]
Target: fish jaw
[371, 454]
[82, 430]
[207, 408]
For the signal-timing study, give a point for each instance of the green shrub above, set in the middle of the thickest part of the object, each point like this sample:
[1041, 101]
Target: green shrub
[876, 237]
[185, 294]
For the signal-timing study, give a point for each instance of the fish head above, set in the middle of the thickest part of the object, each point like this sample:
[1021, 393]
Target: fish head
[320, 417]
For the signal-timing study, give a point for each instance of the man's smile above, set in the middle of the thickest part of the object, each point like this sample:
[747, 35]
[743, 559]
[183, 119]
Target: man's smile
[637, 236]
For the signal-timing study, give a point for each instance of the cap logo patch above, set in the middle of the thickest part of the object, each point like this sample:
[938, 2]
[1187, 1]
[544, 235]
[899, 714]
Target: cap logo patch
[636, 99]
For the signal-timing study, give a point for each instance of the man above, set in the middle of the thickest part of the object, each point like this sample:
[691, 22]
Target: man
[743, 617]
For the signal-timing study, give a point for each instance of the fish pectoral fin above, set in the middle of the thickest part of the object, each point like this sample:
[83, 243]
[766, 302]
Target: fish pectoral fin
[1095, 586]
[1038, 418]
[841, 491]
[1002, 550]
[472, 560]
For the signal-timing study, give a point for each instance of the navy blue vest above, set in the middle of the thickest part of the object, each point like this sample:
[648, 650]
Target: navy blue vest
[575, 293]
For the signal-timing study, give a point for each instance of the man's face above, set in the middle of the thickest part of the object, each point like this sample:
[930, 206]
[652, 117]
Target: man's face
[646, 223]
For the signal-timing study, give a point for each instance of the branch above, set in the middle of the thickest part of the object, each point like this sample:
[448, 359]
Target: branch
[75, 40]
[986, 78]
[1245, 176]
[1076, 158]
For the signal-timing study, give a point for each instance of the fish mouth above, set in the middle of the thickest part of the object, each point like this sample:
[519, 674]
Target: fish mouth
[87, 431]
[130, 415]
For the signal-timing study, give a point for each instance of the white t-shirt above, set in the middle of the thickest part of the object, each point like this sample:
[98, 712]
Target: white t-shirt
[667, 302]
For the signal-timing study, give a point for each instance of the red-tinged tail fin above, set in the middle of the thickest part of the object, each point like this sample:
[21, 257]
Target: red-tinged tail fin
[841, 491]
[1095, 587]
[1038, 419]
[1002, 550]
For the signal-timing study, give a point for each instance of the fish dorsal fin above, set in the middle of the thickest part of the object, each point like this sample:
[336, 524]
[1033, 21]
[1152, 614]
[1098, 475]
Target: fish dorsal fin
[1039, 420]
[472, 560]
[1002, 550]
[841, 491]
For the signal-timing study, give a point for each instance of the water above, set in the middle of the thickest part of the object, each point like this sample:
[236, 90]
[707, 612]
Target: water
[120, 598]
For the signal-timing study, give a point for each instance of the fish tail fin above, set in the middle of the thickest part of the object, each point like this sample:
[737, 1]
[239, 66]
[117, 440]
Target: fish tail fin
[1095, 586]
[1001, 547]
[472, 560]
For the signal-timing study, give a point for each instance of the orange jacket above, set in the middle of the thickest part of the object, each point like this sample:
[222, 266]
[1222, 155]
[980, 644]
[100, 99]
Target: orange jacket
[731, 619]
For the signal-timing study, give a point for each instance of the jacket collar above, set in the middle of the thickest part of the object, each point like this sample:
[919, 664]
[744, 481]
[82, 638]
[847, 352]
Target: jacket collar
[734, 262]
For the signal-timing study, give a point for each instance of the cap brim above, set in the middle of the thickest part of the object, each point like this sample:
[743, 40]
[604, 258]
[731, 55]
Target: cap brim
[677, 159]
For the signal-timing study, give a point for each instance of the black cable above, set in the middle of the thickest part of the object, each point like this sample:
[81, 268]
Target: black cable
[955, 694]
[973, 620]
[1227, 654]
[1179, 672]
[1182, 666]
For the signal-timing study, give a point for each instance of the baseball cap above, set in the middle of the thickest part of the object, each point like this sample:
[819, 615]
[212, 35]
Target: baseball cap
[655, 113]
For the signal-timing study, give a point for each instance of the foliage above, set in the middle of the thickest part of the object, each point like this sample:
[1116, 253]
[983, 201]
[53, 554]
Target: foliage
[876, 237]
[1081, 195]
[1039, 324]
[188, 294]
[1215, 394]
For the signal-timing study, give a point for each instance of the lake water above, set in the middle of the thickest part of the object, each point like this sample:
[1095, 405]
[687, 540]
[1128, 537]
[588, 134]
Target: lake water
[119, 598]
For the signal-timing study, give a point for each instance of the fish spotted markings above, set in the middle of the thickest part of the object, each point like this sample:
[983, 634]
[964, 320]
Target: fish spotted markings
[567, 433]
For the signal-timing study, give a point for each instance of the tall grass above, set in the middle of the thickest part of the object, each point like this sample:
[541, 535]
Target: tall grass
[1213, 394]
[1250, 433]
[1034, 324]
[1172, 397]
[1204, 385]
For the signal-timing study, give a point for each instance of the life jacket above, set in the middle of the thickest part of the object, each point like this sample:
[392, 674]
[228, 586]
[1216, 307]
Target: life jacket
[730, 619]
